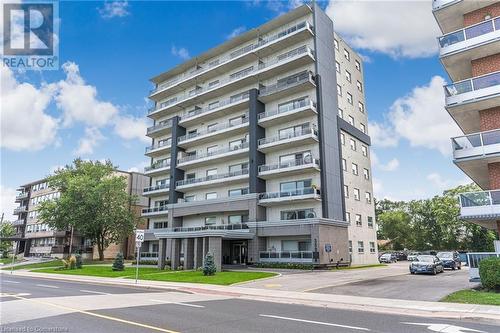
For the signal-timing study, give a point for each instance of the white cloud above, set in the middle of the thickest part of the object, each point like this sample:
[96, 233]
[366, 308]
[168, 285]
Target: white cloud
[139, 167]
[114, 9]
[392, 165]
[89, 141]
[7, 202]
[236, 32]
[438, 181]
[131, 128]
[382, 135]
[397, 28]
[378, 187]
[180, 52]
[24, 123]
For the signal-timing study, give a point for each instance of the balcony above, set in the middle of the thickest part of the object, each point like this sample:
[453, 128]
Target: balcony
[209, 134]
[276, 198]
[157, 168]
[465, 98]
[17, 223]
[299, 166]
[459, 48]
[235, 59]
[482, 208]
[159, 149]
[288, 87]
[162, 128]
[233, 231]
[21, 196]
[156, 190]
[288, 140]
[472, 153]
[213, 180]
[222, 154]
[286, 256]
[449, 13]
[262, 71]
[299, 109]
[20, 210]
[154, 211]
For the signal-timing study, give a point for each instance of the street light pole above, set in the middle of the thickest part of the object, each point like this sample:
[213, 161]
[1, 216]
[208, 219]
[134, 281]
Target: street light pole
[71, 242]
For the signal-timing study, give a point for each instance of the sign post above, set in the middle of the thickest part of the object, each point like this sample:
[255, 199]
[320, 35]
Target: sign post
[328, 249]
[139, 238]
[14, 252]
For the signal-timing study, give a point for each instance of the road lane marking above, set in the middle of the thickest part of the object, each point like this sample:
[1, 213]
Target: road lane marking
[177, 303]
[9, 281]
[132, 323]
[445, 328]
[47, 286]
[12, 295]
[316, 322]
[94, 292]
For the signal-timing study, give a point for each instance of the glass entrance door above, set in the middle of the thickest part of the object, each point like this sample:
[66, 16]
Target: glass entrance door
[239, 253]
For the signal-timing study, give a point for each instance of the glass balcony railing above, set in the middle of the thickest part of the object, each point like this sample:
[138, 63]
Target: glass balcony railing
[288, 194]
[479, 199]
[291, 82]
[156, 166]
[218, 105]
[288, 108]
[476, 83]
[212, 177]
[476, 144]
[212, 153]
[22, 195]
[215, 129]
[232, 226]
[288, 136]
[163, 144]
[155, 188]
[298, 162]
[285, 255]
[152, 210]
[470, 32]
[21, 209]
[160, 126]
[231, 56]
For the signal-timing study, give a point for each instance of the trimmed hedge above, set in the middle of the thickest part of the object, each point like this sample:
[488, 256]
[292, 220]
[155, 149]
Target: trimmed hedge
[285, 265]
[489, 272]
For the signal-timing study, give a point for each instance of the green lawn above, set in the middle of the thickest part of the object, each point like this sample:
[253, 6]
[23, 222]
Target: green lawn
[470, 296]
[104, 271]
[8, 261]
[359, 266]
[52, 263]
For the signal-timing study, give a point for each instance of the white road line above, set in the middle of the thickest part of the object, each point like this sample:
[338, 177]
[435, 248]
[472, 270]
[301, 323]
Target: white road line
[94, 292]
[8, 281]
[47, 286]
[177, 303]
[316, 322]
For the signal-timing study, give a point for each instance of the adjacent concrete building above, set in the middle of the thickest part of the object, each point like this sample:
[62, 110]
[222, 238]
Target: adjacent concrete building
[470, 53]
[260, 151]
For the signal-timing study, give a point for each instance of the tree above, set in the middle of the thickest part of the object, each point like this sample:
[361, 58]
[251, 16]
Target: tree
[209, 267]
[118, 263]
[393, 226]
[6, 230]
[93, 201]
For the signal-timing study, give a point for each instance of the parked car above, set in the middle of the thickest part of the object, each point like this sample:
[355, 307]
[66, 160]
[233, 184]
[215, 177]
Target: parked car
[450, 259]
[412, 256]
[388, 258]
[426, 264]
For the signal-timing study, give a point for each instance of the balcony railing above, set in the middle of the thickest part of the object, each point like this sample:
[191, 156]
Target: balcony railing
[231, 56]
[167, 143]
[476, 83]
[288, 136]
[289, 194]
[21, 209]
[298, 162]
[283, 256]
[217, 128]
[156, 166]
[212, 153]
[292, 107]
[476, 144]
[480, 199]
[22, 195]
[151, 210]
[291, 82]
[219, 105]
[17, 223]
[236, 226]
[155, 188]
[160, 126]
[212, 177]
[470, 32]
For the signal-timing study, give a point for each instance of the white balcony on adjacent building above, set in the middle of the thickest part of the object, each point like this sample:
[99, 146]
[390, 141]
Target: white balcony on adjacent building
[286, 256]
[222, 154]
[17, 223]
[21, 196]
[235, 59]
[465, 98]
[289, 139]
[459, 48]
[472, 153]
[299, 166]
[162, 128]
[156, 190]
[290, 86]
[155, 211]
[450, 13]
[213, 180]
[298, 109]
[482, 208]
[277, 198]
[159, 149]
[157, 168]
[239, 125]
[20, 210]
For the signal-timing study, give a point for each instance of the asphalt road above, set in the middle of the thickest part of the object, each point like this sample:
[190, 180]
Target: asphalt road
[59, 306]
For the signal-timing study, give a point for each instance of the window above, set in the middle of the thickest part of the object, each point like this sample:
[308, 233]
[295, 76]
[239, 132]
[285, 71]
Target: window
[292, 105]
[348, 217]
[298, 214]
[337, 67]
[362, 127]
[341, 113]
[359, 85]
[236, 144]
[347, 55]
[160, 225]
[358, 65]
[348, 76]
[213, 63]
[336, 44]
[212, 150]
[342, 138]
[339, 90]
[356, 194]
[364, 150]
[189, 198]
[211, 195]
[361, 247]
[349, 98]
[213, 83]
[297, 158]
[344, 164]
[237, 192]
[238, 167]
[211, 172]
[368, 197]
[354, 168]
[237, 219]
[210, 220]
[372, 247]
[295, 186]
[293, 131]
[212, 128]
[239, 97]
[359, 223]
[346, 191]
[353, 144]
[351, 120]
[366, 174]
[350, 246]
[242, 73]
[370, 222]
[236, 120]
[361, 107]
[191, 175]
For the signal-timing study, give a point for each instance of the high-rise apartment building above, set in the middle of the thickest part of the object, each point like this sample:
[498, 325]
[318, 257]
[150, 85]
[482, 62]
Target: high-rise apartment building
[470, 53]
[260, 151]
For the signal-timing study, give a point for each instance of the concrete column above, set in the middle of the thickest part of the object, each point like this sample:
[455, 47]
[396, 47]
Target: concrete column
[176, 253]
[168, 251]
[215, 247]
[204, 249]
[198, 252]
[189, 252]
[162, 244]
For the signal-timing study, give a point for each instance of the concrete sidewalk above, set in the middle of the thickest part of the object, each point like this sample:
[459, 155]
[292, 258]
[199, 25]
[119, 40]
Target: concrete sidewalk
[381, 305]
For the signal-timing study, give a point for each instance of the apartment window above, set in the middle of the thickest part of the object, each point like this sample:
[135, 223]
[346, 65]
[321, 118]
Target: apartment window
[236, 144]
[366, 174]
[353, 144]
[348, 217]
[354, 168]
[341, 113]
[370, 222]
[210, 220]
[357, 196]
[337, 67]
[191, 175]
[238, 167]
[298, 214]
[239, 97]
[213, 83]
[212, 150]
[302, 157]
[213, 105]
[213, 63]
[160, 225]
[347, 55]
[350, 246]
[349, 98]
[359, 85]
[361, 247]
[237, 219]
[339, 90]
[348, 76]
[342, 138]
[344, 164]
[361, 107]
[362, 127]
[336, 44]
[293, 131]
[295, 186]
[189, 198]
[292, 105]
[372, 247]
[212, 128]
[211, 195]
[368, 197]
[241, 73]
[364, 150]
[211, 172]
[358, 65]
[351, 120]
[359, 223]
[346, 191]
[236, 120]
[237, 192]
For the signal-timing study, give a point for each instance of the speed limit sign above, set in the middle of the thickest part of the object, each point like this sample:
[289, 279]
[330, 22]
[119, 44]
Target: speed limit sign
[139, 237]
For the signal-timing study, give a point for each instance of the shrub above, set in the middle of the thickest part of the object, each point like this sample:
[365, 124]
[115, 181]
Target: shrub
[79, 261]
[148, 262]
[283, 265]
[209, 267]
[118, 263]
[180, 268]
[489, 272]
[70, 262]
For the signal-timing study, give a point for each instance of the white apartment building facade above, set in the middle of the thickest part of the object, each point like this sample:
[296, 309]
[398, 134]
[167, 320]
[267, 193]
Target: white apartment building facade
[260, 151]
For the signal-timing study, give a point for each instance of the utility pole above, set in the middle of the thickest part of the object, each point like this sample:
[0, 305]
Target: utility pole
[71, 242]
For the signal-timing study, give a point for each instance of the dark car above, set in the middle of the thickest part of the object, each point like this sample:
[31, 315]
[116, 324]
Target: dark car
[450, 260]
[426, 264]
[388, 258]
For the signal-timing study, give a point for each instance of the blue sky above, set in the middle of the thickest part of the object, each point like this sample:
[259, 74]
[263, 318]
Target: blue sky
[95, 105]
